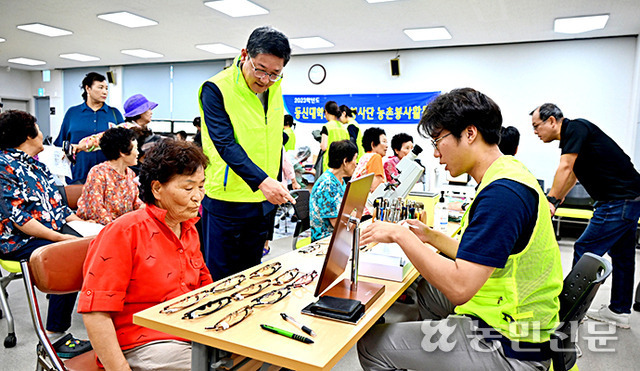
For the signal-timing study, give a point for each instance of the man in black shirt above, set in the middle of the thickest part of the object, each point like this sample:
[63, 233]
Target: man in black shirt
[606, 172]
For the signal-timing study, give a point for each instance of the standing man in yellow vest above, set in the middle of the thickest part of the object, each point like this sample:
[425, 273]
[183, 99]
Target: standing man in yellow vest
[505, 273]
[289, 135]
[243, 112]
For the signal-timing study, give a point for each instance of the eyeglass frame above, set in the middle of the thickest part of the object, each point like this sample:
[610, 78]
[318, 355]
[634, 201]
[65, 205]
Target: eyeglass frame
[271, 76]
[205, 293]
[225, 300]
[258, 272]
[434, 142]
[258, 302]
[536, 125]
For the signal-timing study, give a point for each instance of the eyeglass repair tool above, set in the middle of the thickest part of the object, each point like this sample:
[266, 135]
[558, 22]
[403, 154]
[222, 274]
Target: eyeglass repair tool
[297, 324]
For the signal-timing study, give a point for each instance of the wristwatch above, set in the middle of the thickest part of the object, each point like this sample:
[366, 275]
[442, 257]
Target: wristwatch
[554, 201]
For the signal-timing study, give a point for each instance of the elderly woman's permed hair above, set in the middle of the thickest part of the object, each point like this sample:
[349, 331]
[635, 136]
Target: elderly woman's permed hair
[167, 159]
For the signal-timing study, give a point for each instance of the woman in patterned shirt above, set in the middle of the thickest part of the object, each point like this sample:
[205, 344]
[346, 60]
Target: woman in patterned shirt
[32, 214]
[110, 190]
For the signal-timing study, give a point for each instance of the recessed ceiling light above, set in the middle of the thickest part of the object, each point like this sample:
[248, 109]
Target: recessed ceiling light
[79, 57]
[27, 61]
[218, 48]
[141, 53]
[311, 42]
[236, 8]
[44, 30]
[127, 19]
[580, 24]
[2, 40]
[378, 1]
[428, 34]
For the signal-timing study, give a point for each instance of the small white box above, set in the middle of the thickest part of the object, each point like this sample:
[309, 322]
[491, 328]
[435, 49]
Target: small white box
[385, 261]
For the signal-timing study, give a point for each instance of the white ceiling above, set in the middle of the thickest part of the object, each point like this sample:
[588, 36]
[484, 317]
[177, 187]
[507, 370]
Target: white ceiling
[352, 25]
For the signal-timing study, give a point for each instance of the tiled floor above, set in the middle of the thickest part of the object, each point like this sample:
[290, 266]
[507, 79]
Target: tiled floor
[619, 353]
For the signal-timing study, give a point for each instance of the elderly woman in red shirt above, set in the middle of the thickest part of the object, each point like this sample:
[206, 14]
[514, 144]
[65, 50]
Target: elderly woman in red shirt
[144, 258]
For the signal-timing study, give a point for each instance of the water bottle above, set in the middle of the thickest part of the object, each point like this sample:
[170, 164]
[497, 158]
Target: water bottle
[441, 215]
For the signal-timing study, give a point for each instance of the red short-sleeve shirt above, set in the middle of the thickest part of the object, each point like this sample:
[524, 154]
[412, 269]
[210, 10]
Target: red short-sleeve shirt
[137, 262]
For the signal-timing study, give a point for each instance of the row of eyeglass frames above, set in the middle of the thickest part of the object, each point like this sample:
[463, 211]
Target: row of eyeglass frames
[288, 280]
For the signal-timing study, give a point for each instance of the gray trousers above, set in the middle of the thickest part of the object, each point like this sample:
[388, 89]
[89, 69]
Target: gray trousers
[164, 355]
[442, 341]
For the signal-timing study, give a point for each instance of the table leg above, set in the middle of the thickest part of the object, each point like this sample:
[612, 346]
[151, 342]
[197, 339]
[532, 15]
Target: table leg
[200, 357]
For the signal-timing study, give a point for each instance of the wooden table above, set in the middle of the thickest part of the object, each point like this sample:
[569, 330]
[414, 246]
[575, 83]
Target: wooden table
[333, 340]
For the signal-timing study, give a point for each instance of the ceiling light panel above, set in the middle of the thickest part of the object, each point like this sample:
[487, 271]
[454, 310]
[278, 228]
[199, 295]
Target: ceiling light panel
[27, 61]
[141, 53]
[378, 1]
[45, 30]
[311, 42]
[127, 19]
[574, 25]
[236, 8]
[2, 40]
[218, 48]
[79, 57]
[428, 34]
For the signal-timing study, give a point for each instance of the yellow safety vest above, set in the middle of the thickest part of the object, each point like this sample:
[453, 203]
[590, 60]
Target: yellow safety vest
[521, 299]
[259, 134]
[335, 132]
[358, 139]
[291, 143]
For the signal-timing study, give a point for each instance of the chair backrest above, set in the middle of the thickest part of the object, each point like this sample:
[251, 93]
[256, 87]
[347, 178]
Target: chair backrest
[54, 269]
[73, 192]
[301, 208]
[578, 198]
[578, 291]
[57, 268]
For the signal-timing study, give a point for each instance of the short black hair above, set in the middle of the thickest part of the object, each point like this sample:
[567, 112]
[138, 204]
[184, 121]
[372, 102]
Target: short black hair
[116, 141]
[165, 160]
[547, 110]
[398, 140]
[509, 140]
[288, 120]
[197, 121]
[459, 109]
[15, 128]
[371, 135]
[348, 111]
[268, 40]
[331, 107]
[341, 150]
[88, 81]
[182, 133]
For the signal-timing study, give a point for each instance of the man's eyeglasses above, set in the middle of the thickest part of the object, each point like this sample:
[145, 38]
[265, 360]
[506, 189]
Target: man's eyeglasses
[434, 142]
[262, 73]
[537, 124]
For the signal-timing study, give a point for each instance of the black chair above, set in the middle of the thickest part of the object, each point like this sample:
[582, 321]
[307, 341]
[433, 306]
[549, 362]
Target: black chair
[301, 209]
[578, 290]
[578, 198]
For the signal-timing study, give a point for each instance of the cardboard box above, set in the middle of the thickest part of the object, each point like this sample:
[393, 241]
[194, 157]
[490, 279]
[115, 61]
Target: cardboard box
[384, 261]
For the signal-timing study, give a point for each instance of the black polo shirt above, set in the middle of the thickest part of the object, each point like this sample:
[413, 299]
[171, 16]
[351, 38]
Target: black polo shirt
[602, 167]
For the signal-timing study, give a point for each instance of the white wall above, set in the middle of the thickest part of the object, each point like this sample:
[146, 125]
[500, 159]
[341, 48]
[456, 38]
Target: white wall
[591, 79]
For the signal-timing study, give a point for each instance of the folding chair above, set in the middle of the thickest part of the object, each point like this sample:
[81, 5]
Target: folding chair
[56, 269]
[301, 209]
[13, 267]
[578, 290]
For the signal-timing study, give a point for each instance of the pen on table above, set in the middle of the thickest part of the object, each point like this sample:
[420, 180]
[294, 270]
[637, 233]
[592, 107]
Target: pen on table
[288, 334]
[288, 318]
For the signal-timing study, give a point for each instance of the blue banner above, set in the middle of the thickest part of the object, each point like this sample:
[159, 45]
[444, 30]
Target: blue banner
[400, 108]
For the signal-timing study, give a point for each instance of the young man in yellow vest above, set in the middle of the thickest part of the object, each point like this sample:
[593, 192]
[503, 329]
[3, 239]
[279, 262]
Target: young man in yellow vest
[289, 134]
[243, 113]
[495, 303]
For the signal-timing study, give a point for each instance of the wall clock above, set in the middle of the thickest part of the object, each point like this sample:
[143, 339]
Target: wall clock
[317, 74]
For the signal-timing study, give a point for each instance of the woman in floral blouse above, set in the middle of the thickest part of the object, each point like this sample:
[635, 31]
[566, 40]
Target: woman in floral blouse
[32, 214]
[110, 190]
